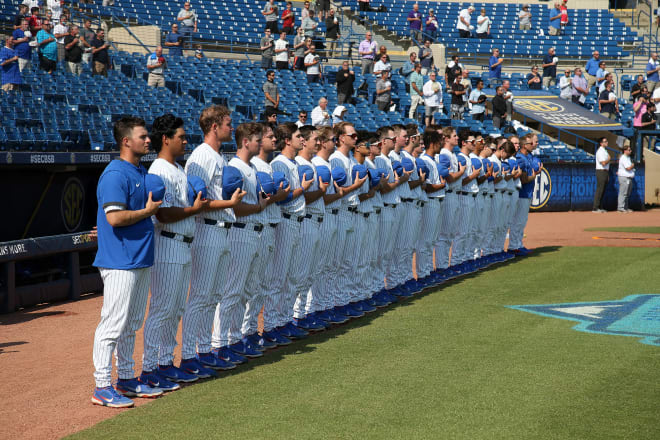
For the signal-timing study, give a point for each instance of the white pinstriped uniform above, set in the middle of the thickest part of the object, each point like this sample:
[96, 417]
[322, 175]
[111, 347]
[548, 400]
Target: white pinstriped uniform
[402, 232]
[210, 255]
[410, 227]
[324, 270]
[431, 221]
[477, 237]
[387, 225]
[467, 205]
[375, 274]
[170, 274]
[310, 234]
[364, 245]
[514, 197]
[450, 217]
[489, 219]
[346, 251]
[287, 241]
[497, 210]
[263, 276]
[246, 261]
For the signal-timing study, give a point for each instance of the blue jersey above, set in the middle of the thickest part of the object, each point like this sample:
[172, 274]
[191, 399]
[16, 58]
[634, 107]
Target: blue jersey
[127, 247]
[525, 164]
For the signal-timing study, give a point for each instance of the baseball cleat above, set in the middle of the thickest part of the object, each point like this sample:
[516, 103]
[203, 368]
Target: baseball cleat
[276, 337]
[152, 379]
[193, 366]
[108, 396]
[350, 311]
[308, 324]
[227, 355]
[334, 317]
[135, 388]
[210, 360]
[259, 342]
[243, 349]
[174, 374]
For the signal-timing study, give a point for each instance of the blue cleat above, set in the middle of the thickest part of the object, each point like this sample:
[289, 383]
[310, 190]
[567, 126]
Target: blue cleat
[228, 355]
[363, 306]
[276, 337]
[351, 312]
[308, 324]
[152, 379]
[193, 366]
[210, 360]
[335, 317]
[174, 374]
[135, 388]
[244, 349]
[294, 332]
[259, 342]
[108, 396]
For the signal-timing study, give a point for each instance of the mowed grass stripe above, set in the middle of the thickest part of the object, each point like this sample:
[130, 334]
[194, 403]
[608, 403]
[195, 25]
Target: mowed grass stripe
[630, 229]
[454, 363]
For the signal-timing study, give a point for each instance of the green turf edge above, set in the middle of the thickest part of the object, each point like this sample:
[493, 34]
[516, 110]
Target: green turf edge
[632, 229]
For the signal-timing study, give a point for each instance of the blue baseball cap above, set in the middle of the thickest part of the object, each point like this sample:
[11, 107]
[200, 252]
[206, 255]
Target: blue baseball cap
[232, 179]
[476, 163]
[324, 173]
[505, 166]
[280, 178]
[339, 176]
[266, 183]
[421, 165]
[513, 162]
[359, 171]
[195, 185]
[305, 172]
[155, 186]
[374, 177]
[496, 168]
[461, 159]
[443, 165]
[407, 164]
[536, 163]
[397, 167]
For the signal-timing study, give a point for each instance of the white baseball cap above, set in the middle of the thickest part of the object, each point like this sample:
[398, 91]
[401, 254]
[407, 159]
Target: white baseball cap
[339, 110]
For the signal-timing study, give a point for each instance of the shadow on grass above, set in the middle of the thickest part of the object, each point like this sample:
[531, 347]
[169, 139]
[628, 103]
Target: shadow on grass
[306, 345]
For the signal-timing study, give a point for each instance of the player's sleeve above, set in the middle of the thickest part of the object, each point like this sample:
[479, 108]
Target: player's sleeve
[113, 191]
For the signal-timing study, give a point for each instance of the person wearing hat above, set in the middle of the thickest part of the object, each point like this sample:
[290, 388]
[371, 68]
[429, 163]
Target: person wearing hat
[463, 24]
[338, 114]
[525, 18]
[384, 91]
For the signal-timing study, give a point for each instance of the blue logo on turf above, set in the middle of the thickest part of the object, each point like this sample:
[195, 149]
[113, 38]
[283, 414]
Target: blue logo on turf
[635, 315]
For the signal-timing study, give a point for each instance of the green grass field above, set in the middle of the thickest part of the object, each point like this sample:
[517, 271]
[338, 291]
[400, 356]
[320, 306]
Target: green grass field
[454, 363]
[632, 229]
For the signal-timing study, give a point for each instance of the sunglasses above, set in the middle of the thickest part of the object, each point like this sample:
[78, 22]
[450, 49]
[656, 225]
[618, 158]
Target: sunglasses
[353, 135]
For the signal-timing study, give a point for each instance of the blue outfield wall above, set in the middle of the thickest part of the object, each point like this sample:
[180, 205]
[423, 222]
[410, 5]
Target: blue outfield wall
[571, 187]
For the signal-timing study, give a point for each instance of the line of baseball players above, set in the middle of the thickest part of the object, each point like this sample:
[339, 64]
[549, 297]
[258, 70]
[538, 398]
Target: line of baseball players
[324, 232]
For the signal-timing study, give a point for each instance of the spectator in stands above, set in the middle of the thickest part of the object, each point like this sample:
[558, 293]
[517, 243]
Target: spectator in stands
[282, 52]
[640, 108]
[525, 19]
[322, 8]
[564, 15]
[22, 14]
[432, 97]
[174, 41]
[309, 24]
[499, 108]
[550, 68]
[579, 87]
[55, 7]
[426, 57]
[73, 51]
[534, 81]
[654, 97]
[565, 89]
[432, 26]
[100, 56]
[555, 20]
[457, 93]
[637, 87]
[271, 92]
[108, 2]
[60, 31]
[288, 19]
[332, 32]
[11, 74]
[407, 70]
[364, 5]
[626, 174]
[86, 36]
[299, 45]
[267, 46]
[416, 89]
[483, 25]
[344, 78]
[608, 77]
[591, 69]
[269, 117]
[22, 47]
[478, 101]
[454, 68]
[320, 115]
[313, 65]
[495, 67]
[603, 159]
[338, 114]
[384, 91]
[47, 48]
[271, 13]
[463, 25]
[156, 65]
[199, 53]
[608, 105]
[415, 23]
[188, 19]
[508, 98]
[652, 69]
[382, 51]
[649, 122]
[601, 73]
[382, 64]
[302, 118]
[35, 21]
[367, 51]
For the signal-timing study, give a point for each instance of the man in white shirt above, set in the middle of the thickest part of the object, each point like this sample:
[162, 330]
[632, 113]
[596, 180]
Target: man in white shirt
[60, 31]
[626, 174]
[320, 115]
[478, 101]
[313, 65]
[282, 52]
[432, 97]
[382, 64]
[302, 118]
[463, 25]
[55, 7]
[602, 173]
[565, 86]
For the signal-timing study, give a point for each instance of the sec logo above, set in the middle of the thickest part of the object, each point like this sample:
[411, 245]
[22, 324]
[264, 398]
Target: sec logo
[71, 204]
[538, 105]
[542, 190]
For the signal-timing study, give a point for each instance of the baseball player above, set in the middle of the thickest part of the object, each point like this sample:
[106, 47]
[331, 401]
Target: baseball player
[502, 176]
[124, 258]
[467, 202]
[170, 276]
[247, 250]
[278, 307]
[527, 144]
[480, 212]
[273, 218]
[210, 250]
